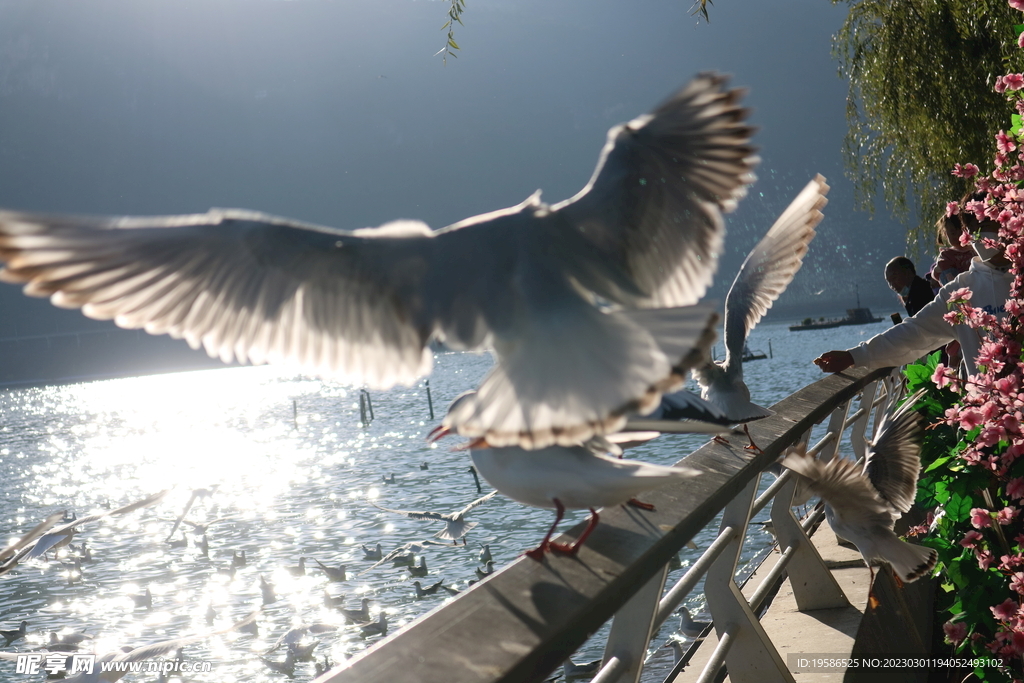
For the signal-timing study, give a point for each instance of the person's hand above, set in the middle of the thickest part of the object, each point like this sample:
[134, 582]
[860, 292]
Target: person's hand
[834, 361]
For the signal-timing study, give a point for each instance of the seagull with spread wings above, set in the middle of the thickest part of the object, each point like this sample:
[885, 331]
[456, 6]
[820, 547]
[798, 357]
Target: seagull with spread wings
[763, 277]
[62, 535]
[587, 304]
[455, 524]
[864, 500]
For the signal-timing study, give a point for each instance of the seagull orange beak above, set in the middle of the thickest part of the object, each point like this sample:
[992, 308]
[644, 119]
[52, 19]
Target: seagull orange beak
[438, 433]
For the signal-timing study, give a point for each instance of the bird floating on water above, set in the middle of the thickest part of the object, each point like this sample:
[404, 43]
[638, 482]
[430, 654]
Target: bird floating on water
[357, 616]
[455, 524]
[602, 285]
[763, 277]
[422, 592]
[338, 573]
[14, 635]
[420, 570]
[863, 500]
[372, 552]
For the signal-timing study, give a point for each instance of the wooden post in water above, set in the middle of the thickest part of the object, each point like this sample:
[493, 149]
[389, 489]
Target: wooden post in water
[430, 401]
[770, 349]
[295, 413]
[365, 407]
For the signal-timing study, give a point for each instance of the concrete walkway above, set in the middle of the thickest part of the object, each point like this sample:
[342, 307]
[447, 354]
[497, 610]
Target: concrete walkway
[827, 632]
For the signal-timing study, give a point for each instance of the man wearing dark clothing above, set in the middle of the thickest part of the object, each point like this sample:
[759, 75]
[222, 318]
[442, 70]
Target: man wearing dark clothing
[914, 291]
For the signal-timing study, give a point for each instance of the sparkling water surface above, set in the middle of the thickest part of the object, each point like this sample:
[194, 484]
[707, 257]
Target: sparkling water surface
[296, 474]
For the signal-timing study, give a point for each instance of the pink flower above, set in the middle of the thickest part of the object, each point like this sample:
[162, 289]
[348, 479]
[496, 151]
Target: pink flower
[965, 239]
[1017, 583]
[1004, 143]
[1017, 4]
[1020, 40]
[991, 435]
[940, 377]
[1015, 487]
[955, 633]
[1014, 81]
[952, 209]
[965, 171]
[1017, 642]
[1001, 159]
[971, 539]
[962, 294]
[980, 518]
[970, 418]
[985, 559]
[1000, 86]
[1007, 515]
[1005, 610]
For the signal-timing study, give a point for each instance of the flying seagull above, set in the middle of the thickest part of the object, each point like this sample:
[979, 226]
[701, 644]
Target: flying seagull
[455, 524]
[62, 535]
[763, 277]
[864, 500]
[9, 555]
[601, 285]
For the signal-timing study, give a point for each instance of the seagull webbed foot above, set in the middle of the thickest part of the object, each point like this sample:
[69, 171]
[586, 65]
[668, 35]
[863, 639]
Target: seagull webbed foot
[639, 504]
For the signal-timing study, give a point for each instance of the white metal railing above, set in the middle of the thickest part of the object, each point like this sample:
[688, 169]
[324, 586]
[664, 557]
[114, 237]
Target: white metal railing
[525, 642]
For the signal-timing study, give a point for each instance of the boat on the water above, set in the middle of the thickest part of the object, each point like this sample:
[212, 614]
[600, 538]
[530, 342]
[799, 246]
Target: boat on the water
[854, 316]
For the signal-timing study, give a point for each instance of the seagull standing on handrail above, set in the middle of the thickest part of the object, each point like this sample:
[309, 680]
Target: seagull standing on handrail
[763, 277]
[563, 477]
[864, 500]
[588, 304]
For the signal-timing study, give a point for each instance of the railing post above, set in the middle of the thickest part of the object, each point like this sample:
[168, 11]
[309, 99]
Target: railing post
[633, 627]
[860, 425]
[752, 658]
[835, 425]
[813, 585]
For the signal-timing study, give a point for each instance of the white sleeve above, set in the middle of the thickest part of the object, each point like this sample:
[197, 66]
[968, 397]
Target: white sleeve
[914, 337]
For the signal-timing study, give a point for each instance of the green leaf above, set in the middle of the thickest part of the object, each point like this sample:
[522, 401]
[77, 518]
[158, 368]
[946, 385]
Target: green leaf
[938, 462]
[453, 44]
[1018, 28]
[959, 507]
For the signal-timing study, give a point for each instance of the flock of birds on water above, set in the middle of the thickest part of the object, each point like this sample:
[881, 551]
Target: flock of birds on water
[593, 309]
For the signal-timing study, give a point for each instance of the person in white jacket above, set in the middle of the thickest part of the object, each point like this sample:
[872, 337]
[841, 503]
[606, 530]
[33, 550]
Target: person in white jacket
[989, 281]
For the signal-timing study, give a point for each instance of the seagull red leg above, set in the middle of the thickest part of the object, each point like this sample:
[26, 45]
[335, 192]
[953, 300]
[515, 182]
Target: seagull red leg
[639, 504]
[753, 446]
[538, 552]
[575, 547]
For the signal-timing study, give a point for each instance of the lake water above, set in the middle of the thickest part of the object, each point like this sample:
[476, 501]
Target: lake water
[290, 485]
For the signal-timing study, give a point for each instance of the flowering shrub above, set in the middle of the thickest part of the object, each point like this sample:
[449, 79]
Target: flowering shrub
[973, 473]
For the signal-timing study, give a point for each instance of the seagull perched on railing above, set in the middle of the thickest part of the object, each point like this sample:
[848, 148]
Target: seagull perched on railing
[563, 477]
[864, 500]
[763, 277]
[455, 524]
[588, 304]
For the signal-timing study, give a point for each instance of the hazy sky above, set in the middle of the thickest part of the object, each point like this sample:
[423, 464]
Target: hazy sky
[338, 113]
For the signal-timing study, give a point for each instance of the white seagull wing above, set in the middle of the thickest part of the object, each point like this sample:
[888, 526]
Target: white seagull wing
[893, 460]
[242, 284]
[843, 485]
[479, 501]
[414, 514]
[770, 267]
[652, 209]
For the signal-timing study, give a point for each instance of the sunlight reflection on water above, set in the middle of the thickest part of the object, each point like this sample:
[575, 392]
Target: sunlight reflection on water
[295, 475]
